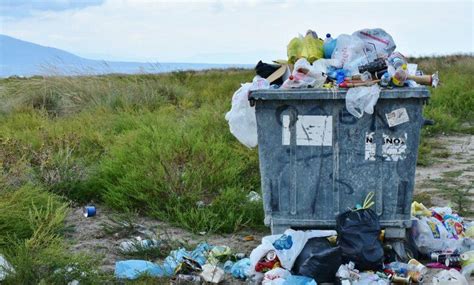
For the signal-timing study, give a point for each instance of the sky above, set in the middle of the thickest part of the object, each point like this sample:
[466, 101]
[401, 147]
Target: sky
[229, 31]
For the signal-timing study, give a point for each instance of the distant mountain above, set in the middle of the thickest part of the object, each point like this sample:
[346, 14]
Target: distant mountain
[24, 58]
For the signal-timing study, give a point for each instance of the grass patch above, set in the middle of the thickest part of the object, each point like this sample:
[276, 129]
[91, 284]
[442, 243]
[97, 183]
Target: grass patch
[32, 224]
[461, 196]
[423, 197]
[452, 174]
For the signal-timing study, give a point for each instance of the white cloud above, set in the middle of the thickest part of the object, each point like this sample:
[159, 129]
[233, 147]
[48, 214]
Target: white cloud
[236, 31]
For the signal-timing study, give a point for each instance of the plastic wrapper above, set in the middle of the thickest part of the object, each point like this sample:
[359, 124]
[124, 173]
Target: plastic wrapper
[362, 99]
[318, 260]
[358, 236]
[454, 225]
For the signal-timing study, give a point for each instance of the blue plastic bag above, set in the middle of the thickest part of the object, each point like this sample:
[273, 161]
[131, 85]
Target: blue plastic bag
[132, 269]
[299, 280]
[240, 269]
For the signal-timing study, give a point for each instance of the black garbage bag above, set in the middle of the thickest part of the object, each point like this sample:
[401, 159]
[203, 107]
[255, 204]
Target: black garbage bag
[358, 236]
[265, 70]
[318, 260]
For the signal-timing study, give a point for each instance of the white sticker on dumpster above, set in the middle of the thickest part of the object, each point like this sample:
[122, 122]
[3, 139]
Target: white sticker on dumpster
[394, 148]
[397, 117]
[310, 130]
[370, 146]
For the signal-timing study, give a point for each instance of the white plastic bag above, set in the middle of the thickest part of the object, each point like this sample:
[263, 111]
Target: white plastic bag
[430, 235]
[360, 99]
[304, 75]
[287, 246]
[241, 117]
[349, 53]
[275, 276]
[321, 65]
[449, 277]
[376, 40]
[5, 268]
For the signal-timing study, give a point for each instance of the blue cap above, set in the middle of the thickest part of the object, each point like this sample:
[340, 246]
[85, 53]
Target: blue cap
[328, 35]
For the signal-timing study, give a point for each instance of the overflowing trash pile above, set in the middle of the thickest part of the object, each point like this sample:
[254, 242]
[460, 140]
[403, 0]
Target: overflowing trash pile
[363, 63]
[353, 254]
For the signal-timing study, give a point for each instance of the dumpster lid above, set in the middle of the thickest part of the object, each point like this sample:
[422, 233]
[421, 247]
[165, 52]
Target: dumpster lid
[335, 94]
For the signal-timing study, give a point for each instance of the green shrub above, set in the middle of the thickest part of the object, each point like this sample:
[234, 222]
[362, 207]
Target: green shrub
[29, 211]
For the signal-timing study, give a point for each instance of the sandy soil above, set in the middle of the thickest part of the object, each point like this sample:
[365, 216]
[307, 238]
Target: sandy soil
[453, 171]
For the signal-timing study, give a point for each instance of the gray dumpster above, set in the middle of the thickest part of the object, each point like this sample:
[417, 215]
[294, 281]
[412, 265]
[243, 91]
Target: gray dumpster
[317, 160]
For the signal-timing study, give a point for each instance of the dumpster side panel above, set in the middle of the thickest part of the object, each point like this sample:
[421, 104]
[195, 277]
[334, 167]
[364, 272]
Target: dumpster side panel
[296, 160]
[317, 160]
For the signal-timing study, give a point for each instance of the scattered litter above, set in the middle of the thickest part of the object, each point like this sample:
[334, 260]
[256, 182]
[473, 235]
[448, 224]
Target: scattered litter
[219, 254]
[449, 277]
[182, 278]
[275, 276]
[249, 238]
[212, 273]
[89, 211]
[276, 250]
[254, 197]
[5, 268]
[132, 269]
[370, 278]
[241, 269]
[299, 280]
[138, 244]
[319, 260]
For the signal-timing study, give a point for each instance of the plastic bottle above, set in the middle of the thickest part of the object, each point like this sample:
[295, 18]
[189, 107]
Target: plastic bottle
[396, 59]
[340, 76]
[401, 74]
[328, 46]
[385, 80]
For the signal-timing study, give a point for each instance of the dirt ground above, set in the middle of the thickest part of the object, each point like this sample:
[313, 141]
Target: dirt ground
[102, 234]
[452, 170]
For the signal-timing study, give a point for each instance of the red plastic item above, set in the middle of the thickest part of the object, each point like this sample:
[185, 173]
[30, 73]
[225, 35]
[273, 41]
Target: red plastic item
[265, 265]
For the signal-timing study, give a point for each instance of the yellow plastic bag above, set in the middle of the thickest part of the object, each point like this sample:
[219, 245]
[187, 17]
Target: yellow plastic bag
[312, 48]
[418, 209]
[308, 47]
[294, 49]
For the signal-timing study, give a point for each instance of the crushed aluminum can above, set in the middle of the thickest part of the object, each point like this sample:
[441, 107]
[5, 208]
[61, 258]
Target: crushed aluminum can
[271, 255]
